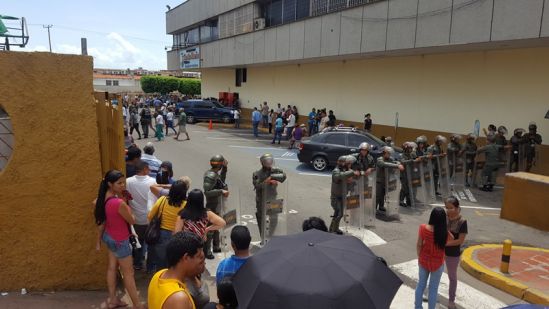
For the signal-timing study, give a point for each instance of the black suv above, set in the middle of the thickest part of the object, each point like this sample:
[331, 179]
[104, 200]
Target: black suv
[323, 149]
[206, 110]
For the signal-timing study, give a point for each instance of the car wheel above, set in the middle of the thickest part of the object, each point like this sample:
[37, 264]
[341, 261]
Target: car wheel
[190, 119]
[226, 119]
[320, 163]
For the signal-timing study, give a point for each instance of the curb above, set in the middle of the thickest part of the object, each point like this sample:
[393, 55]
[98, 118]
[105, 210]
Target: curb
[501, 281]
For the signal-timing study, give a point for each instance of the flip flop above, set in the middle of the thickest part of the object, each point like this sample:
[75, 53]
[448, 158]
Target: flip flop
[119, 304]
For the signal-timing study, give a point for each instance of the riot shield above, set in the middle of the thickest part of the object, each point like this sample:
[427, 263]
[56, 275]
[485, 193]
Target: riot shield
[529, 156]
[522, 157]
[353, 189]
[273, 210]
[428, 180]
[505, 161]
[415, 183]
[229, 210]
[392, 192]
[443, 176]
[369, 199]
[456, 164]
[477, 173]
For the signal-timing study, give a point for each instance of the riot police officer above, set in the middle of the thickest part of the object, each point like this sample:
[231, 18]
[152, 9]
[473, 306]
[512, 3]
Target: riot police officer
[436, 150]
[515, 142]
[470, 149]
[454, 152]
[383, 162]
[531, 139]
[422, 145]
[492, 162]
[265, 181]
[364, 161]
[214, 189]
[340, 174]
[408, 157]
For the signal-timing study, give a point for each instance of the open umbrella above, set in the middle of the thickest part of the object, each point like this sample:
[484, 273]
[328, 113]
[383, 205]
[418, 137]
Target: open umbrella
[317, 270]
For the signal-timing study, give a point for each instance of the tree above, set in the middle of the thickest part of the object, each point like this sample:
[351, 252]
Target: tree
[167, 84]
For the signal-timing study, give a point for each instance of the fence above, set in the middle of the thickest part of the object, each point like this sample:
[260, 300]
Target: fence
[111, 135]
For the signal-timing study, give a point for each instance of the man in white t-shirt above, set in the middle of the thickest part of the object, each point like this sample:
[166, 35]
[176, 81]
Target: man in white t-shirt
[237, 118]
[159, 127]
[139, 186]
[290, 126]
[169, 121]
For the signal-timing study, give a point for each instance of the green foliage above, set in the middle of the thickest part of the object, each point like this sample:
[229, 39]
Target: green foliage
[167, 84]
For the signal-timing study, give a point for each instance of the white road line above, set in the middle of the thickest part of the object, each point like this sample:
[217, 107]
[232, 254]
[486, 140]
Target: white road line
[278, 158]
[470, 195]
[404, 298]
[369, 238]
[233, 139]
[314, 174]
[470, 207]
[252, 147]
[466, 296]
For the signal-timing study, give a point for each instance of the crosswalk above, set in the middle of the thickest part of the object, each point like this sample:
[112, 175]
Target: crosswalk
[466, 296]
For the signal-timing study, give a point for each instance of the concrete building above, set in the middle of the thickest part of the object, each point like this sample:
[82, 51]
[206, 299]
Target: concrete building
[453, 61]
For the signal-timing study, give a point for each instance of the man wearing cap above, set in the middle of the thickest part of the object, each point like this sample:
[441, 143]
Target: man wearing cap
[265, 181]
[215, 188]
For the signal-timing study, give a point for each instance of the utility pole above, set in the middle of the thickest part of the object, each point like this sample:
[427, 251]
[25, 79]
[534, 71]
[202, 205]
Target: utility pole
[49, 38]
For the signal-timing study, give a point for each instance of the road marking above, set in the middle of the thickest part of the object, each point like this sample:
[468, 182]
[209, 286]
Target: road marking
[278, 158]
[482, 214]
[470, 207]
[247, 217]
[291, 211]
[288, 154]
[369, 238]
[252, 147]
[466, 296]
[470, 195]
[404, 298]
[314, 174]
[234, 139]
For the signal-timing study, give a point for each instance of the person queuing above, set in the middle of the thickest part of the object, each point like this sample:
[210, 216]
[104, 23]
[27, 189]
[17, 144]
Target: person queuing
[312, 122]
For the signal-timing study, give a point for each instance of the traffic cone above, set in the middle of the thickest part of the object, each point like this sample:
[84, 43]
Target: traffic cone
[210, 127]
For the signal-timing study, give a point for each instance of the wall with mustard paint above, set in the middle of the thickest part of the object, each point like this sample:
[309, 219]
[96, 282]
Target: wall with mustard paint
[47, 234]
[436, 92]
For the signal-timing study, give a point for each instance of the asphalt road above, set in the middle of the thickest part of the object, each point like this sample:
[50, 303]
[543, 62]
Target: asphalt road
[308, 194]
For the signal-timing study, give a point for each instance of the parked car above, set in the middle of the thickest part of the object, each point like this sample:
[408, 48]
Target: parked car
[322, 150]
[205, 110]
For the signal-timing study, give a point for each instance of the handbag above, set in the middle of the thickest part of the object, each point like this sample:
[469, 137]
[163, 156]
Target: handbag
[152, 233]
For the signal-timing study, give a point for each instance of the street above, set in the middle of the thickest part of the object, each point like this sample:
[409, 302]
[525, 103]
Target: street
[308, 195]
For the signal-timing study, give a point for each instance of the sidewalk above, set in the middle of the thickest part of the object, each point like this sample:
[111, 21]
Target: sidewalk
[528, 276]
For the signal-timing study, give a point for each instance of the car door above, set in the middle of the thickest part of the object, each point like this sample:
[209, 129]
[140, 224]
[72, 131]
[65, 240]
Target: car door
[201, 110]
[335, 145]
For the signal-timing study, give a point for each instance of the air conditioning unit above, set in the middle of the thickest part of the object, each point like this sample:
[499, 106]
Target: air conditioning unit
[259, 23]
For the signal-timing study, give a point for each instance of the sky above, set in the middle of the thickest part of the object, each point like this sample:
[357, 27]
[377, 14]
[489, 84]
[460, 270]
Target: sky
[121, 34]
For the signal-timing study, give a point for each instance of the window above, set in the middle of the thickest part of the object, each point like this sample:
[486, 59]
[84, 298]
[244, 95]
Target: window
[274, 13]
[335, 139]
[302, 9]
[355, 140]
[115, 83]
[241, 75]
[109, 82]
[7, 140]
[288, 14]
[203, 105]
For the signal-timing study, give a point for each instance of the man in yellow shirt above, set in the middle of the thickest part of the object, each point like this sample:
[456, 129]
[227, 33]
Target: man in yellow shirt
[185, 259]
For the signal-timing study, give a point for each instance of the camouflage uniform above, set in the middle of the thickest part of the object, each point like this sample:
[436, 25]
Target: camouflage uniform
[214, 184]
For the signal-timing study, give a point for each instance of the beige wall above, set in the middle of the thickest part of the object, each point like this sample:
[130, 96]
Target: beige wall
[47, 230]
[442, 92]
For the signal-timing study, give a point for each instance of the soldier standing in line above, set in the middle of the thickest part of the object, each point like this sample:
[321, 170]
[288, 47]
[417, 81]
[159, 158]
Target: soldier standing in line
[436, 150]
[499, 139]
[470, 149]
[265, 181]
[408, 157]
[383, 162]
[454, 152]
[531, 139]
[422, 146]
[340, 174]
[492, 162]
[365, 163]
[515, 142]
[214, 189]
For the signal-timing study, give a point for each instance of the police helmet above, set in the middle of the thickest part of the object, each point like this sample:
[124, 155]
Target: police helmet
[364, 146]
[502, 130]
[518, 132]
[350, 159]
[267, 160]
[471, 136]
[421, 139]
[532, 126]
[388, 150]
[342, 160]
[455, 137]
[217, 160]
[441, 139]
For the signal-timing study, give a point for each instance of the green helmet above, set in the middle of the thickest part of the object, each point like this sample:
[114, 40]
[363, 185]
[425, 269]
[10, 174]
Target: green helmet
[342, 160]
[217, 161]
[267, 160]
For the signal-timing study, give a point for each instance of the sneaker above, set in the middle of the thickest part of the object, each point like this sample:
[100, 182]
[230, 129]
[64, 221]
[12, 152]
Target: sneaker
[210, 256]
[383, 209]
[216, 250]
[403, 204]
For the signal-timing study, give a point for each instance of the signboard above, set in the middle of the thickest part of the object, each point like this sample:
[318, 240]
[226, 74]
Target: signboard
[189, 58]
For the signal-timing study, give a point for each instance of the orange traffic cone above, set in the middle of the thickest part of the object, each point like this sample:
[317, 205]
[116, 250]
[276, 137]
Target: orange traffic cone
[210, 127]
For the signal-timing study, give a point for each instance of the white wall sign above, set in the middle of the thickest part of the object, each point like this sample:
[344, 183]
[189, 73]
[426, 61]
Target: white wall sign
[189, 58]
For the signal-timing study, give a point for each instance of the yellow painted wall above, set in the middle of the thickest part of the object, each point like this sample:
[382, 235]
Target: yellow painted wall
[47, 230]
[439, 92]
[527, 209]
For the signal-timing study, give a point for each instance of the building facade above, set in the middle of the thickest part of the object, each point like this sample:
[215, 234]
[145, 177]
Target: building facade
[441, 64]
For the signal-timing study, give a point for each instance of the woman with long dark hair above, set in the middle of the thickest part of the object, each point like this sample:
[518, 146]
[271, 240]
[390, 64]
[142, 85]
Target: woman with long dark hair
[431, 243]
[113, 216]
[457, 225]
[167, 207]
[165, 174]
[196, 218]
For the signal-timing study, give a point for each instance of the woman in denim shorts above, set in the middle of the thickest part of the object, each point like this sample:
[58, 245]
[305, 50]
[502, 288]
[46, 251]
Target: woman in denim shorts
[113, 217]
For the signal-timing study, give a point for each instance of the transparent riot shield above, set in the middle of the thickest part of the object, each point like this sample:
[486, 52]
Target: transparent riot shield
[250, 207]
[443, 176]
[273, 221]
[369, 199]
[229, 210]
[353, 213]
[477, 173]
[415, 183]
[392, 192]
[529, 156]
[428, 180]
[522, 157]
[505, 161]
[456, 164]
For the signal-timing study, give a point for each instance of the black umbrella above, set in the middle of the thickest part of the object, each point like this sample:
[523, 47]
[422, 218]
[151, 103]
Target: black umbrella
[317, 270]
